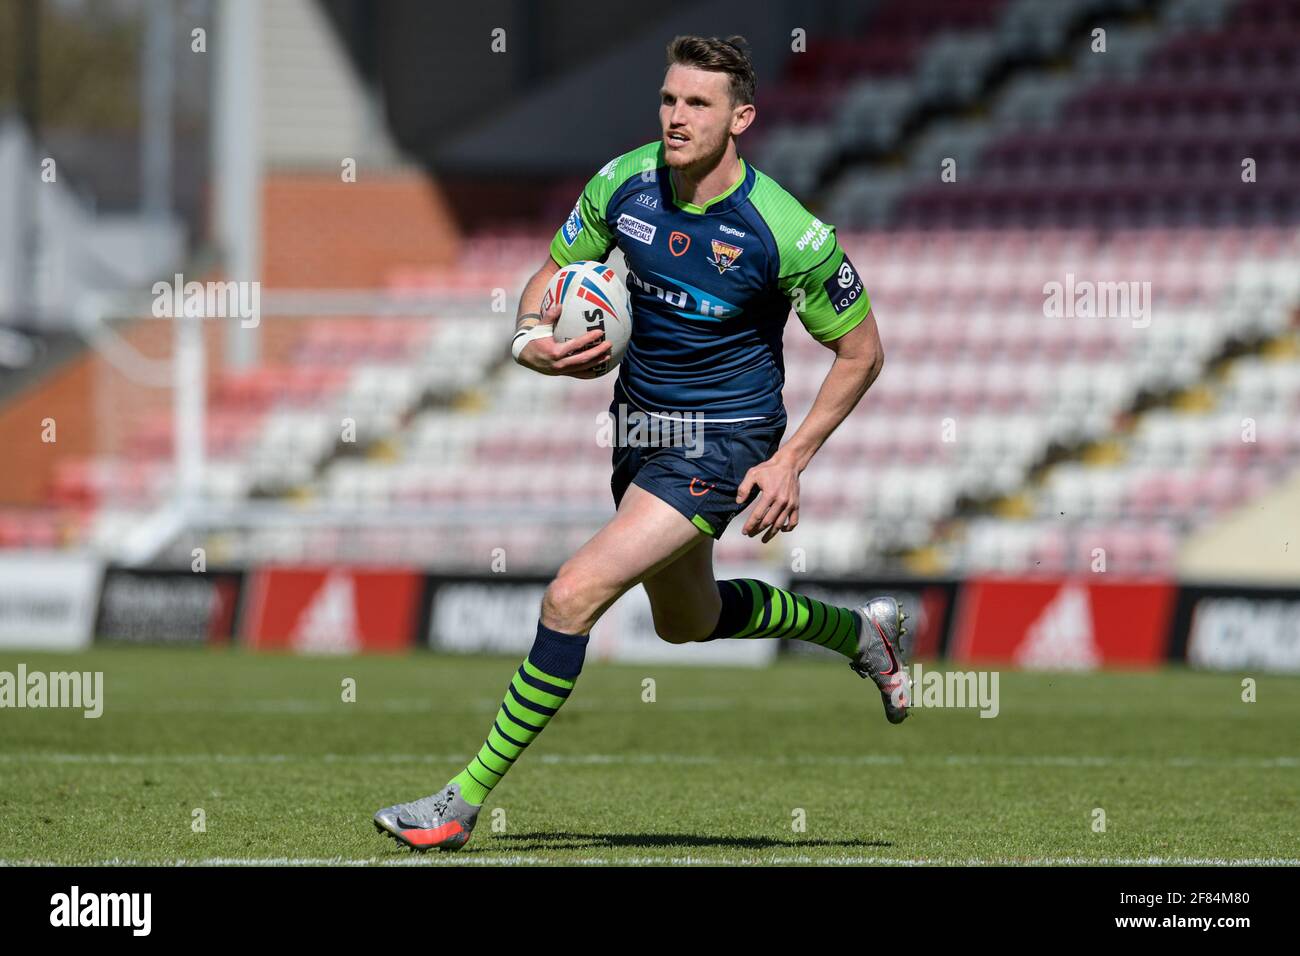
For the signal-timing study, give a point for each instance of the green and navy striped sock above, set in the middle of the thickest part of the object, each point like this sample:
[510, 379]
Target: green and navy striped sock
[538, 689]
[752, 609]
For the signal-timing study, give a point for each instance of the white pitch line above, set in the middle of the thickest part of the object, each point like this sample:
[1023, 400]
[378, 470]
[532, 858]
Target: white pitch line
[481, 705]
[524, 859]
[949, 760]
[488, 705]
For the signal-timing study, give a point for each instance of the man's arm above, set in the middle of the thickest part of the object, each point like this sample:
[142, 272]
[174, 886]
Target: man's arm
[530, 303]
[859, 358]
[577, 356]
[585, 235]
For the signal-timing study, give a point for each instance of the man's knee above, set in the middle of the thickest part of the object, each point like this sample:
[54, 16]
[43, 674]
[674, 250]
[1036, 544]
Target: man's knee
[571, 604]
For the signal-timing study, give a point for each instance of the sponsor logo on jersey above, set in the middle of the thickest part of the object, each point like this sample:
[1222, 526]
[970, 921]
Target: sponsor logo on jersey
[572, 226]
[678, 243]
[686, 300]
[731, 232]
[636, 228]
[650, 202]
[844, 287]
[813, 237]
[608, 169]
[725, 255]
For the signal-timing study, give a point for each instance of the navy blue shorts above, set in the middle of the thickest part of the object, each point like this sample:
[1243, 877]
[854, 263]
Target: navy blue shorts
[696, 468]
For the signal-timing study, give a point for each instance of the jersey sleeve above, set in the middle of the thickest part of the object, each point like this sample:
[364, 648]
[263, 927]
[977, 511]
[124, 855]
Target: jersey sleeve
[814, 274]
[828, 297]
[585, 234]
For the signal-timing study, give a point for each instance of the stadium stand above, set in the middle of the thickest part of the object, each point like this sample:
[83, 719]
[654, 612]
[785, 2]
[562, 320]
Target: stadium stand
[989, 407]
[1001, 436]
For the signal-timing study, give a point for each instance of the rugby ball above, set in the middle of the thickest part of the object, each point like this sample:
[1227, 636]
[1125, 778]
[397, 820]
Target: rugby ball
[591, 296]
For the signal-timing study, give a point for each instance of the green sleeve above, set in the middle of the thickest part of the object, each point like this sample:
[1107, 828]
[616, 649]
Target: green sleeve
[833, 299]
[586, 234]
[814, 273]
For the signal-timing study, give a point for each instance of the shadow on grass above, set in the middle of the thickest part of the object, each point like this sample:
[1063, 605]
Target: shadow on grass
[591, 841]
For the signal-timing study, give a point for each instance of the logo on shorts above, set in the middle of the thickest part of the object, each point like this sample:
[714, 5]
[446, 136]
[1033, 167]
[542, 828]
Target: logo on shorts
[704, 489]
[637, 229]
[678, 243]
[725, 255]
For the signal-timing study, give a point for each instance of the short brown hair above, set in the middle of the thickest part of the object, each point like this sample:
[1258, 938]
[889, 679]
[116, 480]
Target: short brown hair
[730, 56]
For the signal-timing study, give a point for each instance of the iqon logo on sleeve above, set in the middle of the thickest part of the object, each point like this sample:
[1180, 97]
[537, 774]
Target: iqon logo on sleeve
[844, 288]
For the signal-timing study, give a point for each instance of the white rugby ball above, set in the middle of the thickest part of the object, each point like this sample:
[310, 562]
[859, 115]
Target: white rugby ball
[591, 296]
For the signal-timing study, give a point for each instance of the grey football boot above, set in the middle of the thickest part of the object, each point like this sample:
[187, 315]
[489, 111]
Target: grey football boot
[881, 655]
[443, 820]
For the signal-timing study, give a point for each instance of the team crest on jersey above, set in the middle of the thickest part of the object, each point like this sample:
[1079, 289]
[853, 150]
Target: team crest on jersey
[725, 255]
[678, 243]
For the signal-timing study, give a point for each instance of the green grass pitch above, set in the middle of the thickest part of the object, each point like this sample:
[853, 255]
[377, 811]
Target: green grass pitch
[722, 767]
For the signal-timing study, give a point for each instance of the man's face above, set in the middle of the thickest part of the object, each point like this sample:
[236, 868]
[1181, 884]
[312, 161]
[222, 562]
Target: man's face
[696, 114]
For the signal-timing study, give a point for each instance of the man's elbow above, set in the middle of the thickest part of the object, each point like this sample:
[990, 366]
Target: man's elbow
[876, 362]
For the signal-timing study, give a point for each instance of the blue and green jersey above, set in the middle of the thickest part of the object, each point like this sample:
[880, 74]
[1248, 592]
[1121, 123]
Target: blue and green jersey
[711, 286]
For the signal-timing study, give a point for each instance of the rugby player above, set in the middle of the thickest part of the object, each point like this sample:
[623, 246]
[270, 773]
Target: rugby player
[717, 254]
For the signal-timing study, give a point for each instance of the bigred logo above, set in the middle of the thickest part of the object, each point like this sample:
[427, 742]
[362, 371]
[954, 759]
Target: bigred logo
[1063, 624]
[332, 610]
